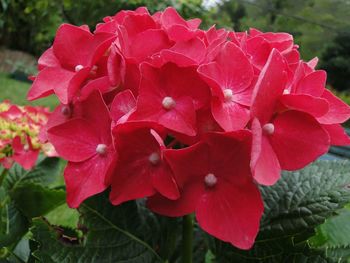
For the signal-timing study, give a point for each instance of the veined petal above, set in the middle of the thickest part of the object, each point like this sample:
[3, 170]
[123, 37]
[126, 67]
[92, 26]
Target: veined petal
[269, 87]
[231, 212]
[74, 140]
[298, 139]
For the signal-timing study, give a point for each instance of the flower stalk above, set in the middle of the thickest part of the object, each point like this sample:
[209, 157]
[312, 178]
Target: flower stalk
[187, 238]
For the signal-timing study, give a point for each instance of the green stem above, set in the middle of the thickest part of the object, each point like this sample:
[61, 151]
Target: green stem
[187, 238]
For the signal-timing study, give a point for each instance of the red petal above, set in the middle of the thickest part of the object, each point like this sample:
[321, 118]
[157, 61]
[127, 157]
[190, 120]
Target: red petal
[317, 107]
[95, 110]
[264, 163]
[101, 84]
[136, 23]
[63, 82]
[232, 213]
[313, 84]
[180, 33]
[235, 73]
[337, 134]
[186, 53]
[182, 118]
[26, 158]
[7, 162]
[73, 52]
[259, 50]
[195, 156]
[116, 67]
[186, 203]
[85, 179]
[269, 87]
[46, 80]
[164, 183]
[339, 111]
[298, 139]
[134, 172]
[83, 48]
[130, 185]
[157, 40]
[48, 59]
[230, 115]
[123, 103]
[17, 145]
[74, 140]
[171, 17]
[189, 92]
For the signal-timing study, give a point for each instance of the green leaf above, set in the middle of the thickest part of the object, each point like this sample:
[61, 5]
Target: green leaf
[63, 216]
[20, 189]
[334, 235]
[47, 172]
[125, 233]
[34, 200]
[13, 225]
[22, 250]
[294, 206]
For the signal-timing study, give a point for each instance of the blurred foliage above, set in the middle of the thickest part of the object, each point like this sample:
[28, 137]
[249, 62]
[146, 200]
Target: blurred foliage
[320, 27]
[336, 61]
[30, 25]
[90, 12]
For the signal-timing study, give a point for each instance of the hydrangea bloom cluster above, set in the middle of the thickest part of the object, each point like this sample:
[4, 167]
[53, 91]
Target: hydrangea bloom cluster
[193, 120]
[19, 134]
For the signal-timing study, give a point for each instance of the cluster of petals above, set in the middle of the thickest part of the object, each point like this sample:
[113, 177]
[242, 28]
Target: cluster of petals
[20, 128]
[192, 120]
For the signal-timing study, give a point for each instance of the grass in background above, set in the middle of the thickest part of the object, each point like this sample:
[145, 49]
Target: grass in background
[16, 92]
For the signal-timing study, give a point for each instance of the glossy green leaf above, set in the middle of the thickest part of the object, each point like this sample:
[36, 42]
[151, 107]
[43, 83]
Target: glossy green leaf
[35, 200]
[334, 236]
[13, 225]
[125, 233]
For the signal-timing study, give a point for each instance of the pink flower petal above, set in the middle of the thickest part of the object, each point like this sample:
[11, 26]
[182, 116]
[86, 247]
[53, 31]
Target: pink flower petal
[298, 139]
[269, 87]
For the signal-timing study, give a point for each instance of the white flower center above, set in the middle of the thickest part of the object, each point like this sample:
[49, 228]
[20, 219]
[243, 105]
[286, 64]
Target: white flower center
[210, 180]
[269, 128]
[168, 103]
[101, 148]
[26, 147]
[228, 95]
[286, 91]
[154, 158]
[78, 68]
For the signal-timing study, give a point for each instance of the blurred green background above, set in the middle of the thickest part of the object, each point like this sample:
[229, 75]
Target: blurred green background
[320, 27]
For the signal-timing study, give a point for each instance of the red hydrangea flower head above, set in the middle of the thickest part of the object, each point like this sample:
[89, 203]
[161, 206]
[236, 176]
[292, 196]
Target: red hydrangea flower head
[192, 120]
